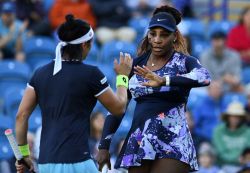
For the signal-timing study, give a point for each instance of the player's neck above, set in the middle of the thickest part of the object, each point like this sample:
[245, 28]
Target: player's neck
[165, 57]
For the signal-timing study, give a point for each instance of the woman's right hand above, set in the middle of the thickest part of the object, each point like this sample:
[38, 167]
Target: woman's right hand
[102, 158]
[21, 168]
[153, 80]
[124, 66]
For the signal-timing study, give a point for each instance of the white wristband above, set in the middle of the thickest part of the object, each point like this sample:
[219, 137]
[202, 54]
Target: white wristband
[167, 80]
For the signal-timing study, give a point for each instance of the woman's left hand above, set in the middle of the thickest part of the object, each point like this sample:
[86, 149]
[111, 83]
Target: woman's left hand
[153, 79]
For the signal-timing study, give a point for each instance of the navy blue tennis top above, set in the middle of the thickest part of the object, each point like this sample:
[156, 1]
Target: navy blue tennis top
[66, 101]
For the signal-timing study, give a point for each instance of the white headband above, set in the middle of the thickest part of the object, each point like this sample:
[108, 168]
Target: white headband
[58, 60]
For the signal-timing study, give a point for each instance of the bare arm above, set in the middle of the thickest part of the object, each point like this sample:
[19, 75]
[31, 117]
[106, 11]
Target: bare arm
[27, 105]
[116, 103]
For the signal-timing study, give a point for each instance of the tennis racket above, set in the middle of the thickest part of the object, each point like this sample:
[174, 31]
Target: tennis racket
[10, 136]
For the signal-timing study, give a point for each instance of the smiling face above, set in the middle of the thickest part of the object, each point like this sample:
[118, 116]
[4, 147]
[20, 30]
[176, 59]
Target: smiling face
[161, 40]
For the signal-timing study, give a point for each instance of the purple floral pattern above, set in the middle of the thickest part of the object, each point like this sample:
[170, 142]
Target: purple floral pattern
[163, 136]
[175, 67]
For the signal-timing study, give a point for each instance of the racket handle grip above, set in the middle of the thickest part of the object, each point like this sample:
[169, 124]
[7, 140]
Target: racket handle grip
[22, 161]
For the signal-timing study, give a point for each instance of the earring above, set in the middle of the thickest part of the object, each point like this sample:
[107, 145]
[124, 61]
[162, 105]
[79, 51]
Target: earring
[174, 41]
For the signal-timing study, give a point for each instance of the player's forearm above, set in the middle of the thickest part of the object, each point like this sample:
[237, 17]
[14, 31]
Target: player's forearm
[196, 78]
[181, 81]
[21, 129]
[122, 98]
[110, 126]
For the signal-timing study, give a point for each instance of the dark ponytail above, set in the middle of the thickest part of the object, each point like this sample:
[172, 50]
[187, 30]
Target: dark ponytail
[70, 30]
[69, 18]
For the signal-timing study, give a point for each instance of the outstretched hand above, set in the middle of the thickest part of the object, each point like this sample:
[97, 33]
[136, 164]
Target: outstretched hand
[102, 158]
[125, 64]
[154, 80]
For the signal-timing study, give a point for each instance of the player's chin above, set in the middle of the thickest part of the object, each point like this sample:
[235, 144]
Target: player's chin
[158, 52]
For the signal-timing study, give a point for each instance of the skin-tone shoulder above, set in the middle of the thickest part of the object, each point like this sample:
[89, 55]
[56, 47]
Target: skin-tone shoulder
[115, 103]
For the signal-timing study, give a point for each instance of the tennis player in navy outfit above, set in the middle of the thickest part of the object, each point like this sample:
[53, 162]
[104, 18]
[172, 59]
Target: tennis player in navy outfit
[163, 74]
[66, 91]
